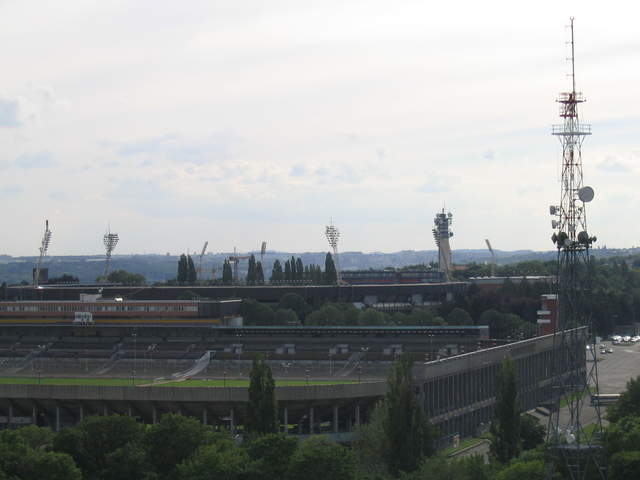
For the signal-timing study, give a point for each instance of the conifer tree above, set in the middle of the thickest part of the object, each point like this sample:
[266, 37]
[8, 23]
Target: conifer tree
[262, 410]
[259, 274]
[276, 272]
[287, 272]
[227, 273]
[505, 427]
[409, 434]
[251, 272]
[330, 273]
[299, 270]
[183, 269]
[192, 275]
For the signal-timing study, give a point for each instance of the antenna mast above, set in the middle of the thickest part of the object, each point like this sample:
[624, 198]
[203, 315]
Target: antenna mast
[571, 449]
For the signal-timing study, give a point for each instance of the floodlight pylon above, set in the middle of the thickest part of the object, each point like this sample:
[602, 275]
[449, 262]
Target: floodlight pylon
[44, 247]
[110, 241]
[333, 235]
[571, 449]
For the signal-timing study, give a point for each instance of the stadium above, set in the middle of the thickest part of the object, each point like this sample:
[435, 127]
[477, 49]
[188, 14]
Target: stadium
[145, 357]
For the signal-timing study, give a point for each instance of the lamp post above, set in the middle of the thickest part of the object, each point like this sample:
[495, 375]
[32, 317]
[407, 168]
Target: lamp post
[306, 374]
[135, 356]
[330, 363]
[224, 378]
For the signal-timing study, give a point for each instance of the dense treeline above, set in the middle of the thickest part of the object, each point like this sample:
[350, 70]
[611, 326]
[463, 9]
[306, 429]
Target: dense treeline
[292, 309]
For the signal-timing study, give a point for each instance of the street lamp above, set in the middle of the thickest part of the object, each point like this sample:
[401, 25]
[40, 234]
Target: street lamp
[224, 378]
[306, 374]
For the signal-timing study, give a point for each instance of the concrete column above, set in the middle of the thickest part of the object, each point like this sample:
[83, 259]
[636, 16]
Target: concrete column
[10, 419]
[232, 422]
[81, 412]
[129, 414]
[311, 420]
[204, 416]
[34, 414]
[154, 415]
[57, 418]
[357, 415]
[335, 419]
[105, 411]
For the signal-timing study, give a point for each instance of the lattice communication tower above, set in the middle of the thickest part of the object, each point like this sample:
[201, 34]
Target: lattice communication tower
[110, 241]
[333, 235]
[579, 455]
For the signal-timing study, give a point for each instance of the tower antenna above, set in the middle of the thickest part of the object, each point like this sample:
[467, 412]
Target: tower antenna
[570, 448]
[441, 235]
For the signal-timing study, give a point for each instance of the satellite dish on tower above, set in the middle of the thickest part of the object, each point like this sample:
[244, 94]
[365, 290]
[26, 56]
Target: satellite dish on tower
[586, 194]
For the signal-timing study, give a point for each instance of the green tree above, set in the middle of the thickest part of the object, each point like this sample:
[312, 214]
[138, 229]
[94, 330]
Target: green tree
[505, 427]
[458, 316]
[285, 316]
[372, 317]
[251, 271]
[296, 303]
[221, 459]
[532, 432]
[92, 441]
[18, 461]
[262, 409]
[623, 435]
[270, 455]
[371, 444]
[326, 315]
[288, 277]
[192, 275]
[409, 434]
[172, 440]
[625, 465]
[256, 313]
[320, 459]
[125, 278]
[629, 402]
[299, 270]
[277, 276]
[227, 273]
[259, 274]
[330, 272]
[183, 269]
[530, 470]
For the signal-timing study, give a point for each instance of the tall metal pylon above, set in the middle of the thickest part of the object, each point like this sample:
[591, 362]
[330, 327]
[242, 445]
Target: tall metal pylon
[577, 454]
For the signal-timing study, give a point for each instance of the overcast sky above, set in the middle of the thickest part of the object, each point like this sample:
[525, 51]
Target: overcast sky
[241, 121]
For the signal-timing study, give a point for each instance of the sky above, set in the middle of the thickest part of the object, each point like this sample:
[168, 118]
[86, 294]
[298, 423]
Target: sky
[241, 121]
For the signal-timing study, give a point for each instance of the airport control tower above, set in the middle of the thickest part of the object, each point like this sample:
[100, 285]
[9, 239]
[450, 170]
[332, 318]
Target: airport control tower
[442, 234]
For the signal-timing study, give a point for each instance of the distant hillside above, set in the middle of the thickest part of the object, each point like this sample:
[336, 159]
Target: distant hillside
[158, 268]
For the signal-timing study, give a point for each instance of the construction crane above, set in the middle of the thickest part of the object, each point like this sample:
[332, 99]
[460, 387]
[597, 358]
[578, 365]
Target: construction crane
[493, 258]
[263, 250]
[199, 270]
[235, 260]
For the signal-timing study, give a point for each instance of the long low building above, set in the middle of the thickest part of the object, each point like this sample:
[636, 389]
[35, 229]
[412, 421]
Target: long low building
[458, 394]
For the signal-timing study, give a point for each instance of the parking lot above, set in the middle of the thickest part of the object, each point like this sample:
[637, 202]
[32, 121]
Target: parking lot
[615, 369]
